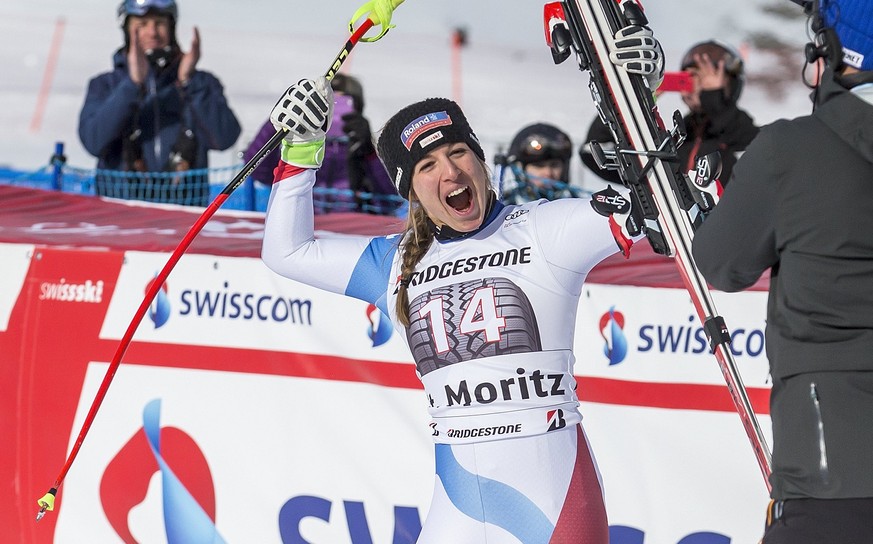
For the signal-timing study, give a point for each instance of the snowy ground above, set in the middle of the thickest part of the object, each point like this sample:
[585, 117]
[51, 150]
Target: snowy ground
[258, 48]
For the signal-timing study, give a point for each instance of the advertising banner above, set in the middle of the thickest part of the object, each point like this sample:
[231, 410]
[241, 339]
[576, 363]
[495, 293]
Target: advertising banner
[251, 408]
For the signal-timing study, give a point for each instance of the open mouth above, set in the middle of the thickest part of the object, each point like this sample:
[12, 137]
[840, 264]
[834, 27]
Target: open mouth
[460, 200]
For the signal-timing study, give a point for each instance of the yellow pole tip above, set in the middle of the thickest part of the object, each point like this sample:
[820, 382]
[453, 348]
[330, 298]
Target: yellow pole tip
[47, 501]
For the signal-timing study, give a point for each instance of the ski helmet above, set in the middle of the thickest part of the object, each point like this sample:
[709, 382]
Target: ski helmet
[139, 8]
[541, 142]
[718, 51]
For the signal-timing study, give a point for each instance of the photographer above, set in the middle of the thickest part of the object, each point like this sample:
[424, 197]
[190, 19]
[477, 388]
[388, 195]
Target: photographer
[715, 78]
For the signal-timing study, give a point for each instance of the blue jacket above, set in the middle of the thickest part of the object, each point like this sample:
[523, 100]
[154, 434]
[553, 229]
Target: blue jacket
[115, 107]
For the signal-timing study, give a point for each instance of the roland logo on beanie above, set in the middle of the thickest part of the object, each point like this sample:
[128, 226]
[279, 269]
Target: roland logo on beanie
[416, 130]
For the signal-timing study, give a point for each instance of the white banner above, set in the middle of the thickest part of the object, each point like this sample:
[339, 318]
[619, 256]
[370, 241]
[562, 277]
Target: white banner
[250, 408]
[13, 271]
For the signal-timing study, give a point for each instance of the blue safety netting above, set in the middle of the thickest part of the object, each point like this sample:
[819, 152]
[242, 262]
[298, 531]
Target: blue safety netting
[191, 187]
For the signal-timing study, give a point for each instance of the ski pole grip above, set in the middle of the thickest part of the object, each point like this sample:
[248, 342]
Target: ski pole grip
[379, 13]
[716, 331]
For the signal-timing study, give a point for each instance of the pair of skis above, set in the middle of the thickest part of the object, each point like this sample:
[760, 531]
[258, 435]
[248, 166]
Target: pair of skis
[667, 205]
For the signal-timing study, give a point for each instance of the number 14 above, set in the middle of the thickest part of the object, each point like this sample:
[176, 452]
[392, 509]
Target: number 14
[479, 315]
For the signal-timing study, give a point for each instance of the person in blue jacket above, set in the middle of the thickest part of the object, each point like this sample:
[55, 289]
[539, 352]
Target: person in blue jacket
[155, 112]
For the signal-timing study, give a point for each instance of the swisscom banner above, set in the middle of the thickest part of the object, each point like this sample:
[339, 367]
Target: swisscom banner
[250, 408]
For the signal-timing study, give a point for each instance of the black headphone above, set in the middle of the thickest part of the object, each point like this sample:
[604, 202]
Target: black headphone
[826, 43]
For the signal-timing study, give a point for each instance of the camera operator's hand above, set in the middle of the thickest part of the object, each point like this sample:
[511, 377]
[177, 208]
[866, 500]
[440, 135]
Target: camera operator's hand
[357, 128]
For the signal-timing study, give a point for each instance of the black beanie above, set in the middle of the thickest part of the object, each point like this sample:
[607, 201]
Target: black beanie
[418, 129]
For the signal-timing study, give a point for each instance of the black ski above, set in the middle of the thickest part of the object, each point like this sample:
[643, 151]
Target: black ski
[666, 205]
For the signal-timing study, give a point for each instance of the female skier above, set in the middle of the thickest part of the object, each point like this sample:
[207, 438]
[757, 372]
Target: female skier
[485, 295]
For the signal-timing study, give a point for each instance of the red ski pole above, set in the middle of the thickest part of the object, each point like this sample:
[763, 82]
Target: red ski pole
[378, 13]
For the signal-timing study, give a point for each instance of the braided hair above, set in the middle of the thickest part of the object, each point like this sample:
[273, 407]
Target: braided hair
[415, 242]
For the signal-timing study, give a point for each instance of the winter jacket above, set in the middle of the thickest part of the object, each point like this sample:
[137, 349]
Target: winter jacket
[801, 204]
[339, 173]
[116, 108]
[721, 126]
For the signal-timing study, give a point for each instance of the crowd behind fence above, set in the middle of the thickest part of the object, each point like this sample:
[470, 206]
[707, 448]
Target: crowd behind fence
[200, 187]
[191, 187]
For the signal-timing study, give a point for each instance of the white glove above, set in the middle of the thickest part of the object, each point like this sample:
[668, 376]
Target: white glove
[636, 51]
[305, 111]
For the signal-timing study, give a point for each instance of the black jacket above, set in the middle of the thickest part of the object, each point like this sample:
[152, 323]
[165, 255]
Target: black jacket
[721, 127]
[801, 204]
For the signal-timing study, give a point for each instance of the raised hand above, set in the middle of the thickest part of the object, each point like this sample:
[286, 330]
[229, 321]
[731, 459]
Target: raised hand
[190, 59]
[137, 63]
[710, 76]
[305, 111]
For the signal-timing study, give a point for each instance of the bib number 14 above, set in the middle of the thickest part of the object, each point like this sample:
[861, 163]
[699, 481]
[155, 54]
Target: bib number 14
[480, 314]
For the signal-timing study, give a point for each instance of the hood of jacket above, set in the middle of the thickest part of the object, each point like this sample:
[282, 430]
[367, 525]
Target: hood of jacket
[847, 112]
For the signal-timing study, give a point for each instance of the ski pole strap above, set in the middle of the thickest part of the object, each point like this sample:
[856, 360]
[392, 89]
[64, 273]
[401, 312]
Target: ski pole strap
[380, 12]
[716, 331]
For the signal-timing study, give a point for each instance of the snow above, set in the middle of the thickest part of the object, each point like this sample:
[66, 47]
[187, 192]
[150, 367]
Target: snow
[258, 48]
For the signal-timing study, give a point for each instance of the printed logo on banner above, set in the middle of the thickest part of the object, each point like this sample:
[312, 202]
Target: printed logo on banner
[226, 303]
[612, 332]
[159, 311]
[407, 521]
[622, 534]
[87, 291]
[380, 326]
[188, 491]
[691, 339]
[672, 338]
[297, 510]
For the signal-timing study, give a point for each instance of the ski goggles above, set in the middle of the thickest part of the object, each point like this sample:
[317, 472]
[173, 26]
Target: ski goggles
[539, 147]
[139, 8]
